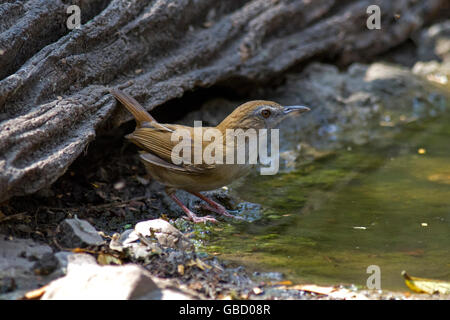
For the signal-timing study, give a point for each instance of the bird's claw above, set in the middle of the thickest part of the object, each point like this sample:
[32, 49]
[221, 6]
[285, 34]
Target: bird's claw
[197, 219]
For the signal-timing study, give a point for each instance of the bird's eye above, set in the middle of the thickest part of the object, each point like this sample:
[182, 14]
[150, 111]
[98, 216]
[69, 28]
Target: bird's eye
[265, 113]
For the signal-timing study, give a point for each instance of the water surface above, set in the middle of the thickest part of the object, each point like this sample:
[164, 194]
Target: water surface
[386, 204]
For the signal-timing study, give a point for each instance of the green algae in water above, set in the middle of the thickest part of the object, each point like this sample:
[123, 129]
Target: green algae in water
[383, 204]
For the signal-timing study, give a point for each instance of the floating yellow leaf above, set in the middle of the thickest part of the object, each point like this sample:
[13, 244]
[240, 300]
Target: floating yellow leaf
[440, 178]
[422, 285]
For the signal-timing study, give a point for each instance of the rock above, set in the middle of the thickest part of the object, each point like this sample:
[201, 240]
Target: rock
[63, 260]
[7, 284]
[189, 200]
[150, 237]
[96, 282]
[434, 48]
[137, 250]
[172, 290]
[46, 265]
[354, 106]
[18, 259]
[222, 196]
[434, 42]
[166, 234]
[20, 254]
[79, 261]
[54, 90]
[127, 237]
[85, 280]
[268, 276]
[289, 157]
[77, 233]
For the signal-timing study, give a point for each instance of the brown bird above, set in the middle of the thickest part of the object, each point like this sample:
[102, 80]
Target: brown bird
[157, 142]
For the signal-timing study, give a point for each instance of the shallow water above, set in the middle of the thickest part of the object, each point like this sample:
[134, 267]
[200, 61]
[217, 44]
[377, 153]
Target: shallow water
[386, 204]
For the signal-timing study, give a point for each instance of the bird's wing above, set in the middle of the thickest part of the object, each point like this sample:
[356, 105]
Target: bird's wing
[151, 158]
[157, 145]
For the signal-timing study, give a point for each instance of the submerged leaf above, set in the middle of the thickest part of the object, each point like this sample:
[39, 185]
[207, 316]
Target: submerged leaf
[422, 285]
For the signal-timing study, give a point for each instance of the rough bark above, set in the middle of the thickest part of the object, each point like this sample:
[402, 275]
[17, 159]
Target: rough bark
[54, 81]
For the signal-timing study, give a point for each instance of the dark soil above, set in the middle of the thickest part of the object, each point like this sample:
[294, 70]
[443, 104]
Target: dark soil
[108, 186]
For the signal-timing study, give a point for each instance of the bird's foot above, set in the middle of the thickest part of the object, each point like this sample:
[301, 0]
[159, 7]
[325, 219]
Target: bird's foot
[190, 215]
[215, 207]
[196, 219]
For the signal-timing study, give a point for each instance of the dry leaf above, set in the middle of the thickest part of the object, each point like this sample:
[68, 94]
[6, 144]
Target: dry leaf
[313, 288]
[334, 292]
[282, 283]
[180, 269]
[202, 265]
[17, 216]
[422, 285]
[35, 294]
[104, 259]
[81, 250]
[195, 286]
[257, 290]
[198, 263]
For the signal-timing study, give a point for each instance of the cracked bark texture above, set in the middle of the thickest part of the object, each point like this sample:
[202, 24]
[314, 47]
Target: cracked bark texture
[54, 82]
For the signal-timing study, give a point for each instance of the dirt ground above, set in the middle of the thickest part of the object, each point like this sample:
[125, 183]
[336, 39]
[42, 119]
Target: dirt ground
[113, 193]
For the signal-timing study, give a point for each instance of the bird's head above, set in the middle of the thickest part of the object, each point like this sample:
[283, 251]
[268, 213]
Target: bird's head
[260, 114]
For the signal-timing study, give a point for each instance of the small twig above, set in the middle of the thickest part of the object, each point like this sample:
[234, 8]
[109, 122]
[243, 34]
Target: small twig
[19, 216]
[100, 206]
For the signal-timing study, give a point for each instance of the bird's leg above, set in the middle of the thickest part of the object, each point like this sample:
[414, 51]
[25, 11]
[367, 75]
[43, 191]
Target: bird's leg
[214, 206]
[189, 213]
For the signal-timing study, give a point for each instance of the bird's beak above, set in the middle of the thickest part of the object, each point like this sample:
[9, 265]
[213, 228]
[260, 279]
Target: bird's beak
[296, 109]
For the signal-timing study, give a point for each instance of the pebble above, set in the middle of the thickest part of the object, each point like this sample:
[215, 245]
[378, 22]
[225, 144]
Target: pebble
[86, 280]
[166, 234]
[77, 233]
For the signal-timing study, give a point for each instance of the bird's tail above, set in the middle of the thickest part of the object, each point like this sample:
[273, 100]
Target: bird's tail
[137, 110]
